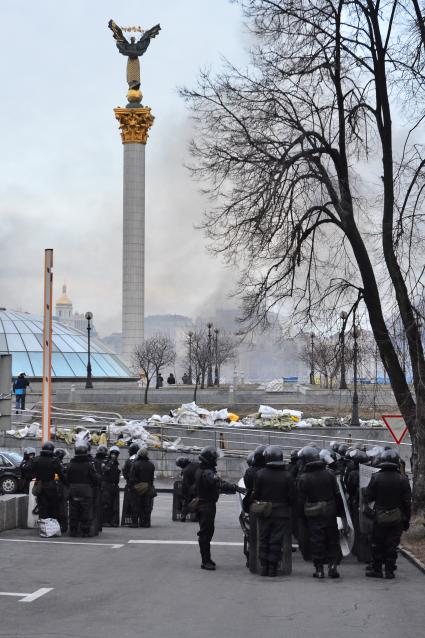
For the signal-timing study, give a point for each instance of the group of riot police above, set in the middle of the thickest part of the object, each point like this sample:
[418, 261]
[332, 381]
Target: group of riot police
[306, 496]
[83, 495]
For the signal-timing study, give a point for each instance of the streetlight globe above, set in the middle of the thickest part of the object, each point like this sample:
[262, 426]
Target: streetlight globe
[216, 331]
[209, 325]
[190, 333]
[343, 315]
[89, 316]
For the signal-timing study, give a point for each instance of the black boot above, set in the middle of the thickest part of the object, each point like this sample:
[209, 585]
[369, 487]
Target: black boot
[375, 572]
[333, 571]
[207, 563]
[319, 573]
[264, 571]
[272, 570]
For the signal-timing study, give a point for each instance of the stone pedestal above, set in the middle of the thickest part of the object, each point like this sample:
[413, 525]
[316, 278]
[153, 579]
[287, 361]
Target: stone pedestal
[134, 125]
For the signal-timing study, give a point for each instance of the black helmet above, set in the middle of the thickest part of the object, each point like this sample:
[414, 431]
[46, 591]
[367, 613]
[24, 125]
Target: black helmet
[133, 449]
[30, 450]
[327, 456]
[102, 450]
[80, 449]
[294, 455]
[313, 444]
[48, 447]
[358, 456]
[342, 449]
[309, 454]
[114, 450]
[273, 456]
[250, 459]
[182, 461]
[334, 445]
[60, 453]
[259, 460]
[143, 453]
[209, 455]
[390, 456]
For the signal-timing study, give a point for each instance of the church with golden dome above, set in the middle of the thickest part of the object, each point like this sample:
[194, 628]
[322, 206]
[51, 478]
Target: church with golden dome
[64, 313]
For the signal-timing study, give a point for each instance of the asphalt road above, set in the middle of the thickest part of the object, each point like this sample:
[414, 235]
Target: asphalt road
[122, 589]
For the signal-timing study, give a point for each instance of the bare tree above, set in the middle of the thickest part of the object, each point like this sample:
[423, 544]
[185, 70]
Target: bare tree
[289, 149]
[151, 356]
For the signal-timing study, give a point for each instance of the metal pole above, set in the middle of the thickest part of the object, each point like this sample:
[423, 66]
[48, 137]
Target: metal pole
[190, 358]
[89, 383]
[355, 407]
[47, 346]
[209, 374]
[216, 375]
[312, 360]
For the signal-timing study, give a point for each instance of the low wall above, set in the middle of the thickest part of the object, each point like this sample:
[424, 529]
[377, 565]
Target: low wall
[13, 511]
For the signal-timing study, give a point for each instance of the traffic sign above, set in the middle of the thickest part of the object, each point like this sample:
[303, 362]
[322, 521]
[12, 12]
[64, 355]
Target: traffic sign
[396, 425]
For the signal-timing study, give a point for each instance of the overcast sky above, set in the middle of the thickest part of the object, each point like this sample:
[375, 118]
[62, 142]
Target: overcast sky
[62, 155]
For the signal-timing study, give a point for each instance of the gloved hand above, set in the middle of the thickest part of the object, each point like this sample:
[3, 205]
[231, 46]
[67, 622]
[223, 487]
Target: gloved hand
[406, 525]
[241, 490]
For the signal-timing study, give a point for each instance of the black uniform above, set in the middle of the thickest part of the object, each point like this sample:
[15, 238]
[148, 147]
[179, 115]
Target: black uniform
[83, 480]
[390, 491]
[188, 485]
[26, 472]
[110, 492]
[319, 485]
[127, 507]
[274, 485]
[142, 471]
[45, 468]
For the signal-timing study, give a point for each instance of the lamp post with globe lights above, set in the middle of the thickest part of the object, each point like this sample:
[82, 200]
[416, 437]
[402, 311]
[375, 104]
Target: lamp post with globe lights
[216, 375]
[190, 381]
[89, 383]
[209, 374]
[312, 359]
[355, 406]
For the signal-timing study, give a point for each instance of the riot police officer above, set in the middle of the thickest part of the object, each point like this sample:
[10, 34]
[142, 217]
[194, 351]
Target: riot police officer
[208, 486]
[110, 488]
[141, 483]
[273, 484]
[392, 497]
[82, 480]
[183, 496]
[100, 459]
[128, 501]
[26, 468]
[256, 461]
[48, 472]
[319, 501]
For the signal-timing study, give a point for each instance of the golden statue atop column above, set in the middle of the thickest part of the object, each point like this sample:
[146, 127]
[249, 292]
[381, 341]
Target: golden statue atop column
[134, 124]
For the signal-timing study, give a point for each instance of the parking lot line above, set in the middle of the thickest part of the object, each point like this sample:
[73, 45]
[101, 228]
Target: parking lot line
[176, 542]
[29, 540]
[28, 598]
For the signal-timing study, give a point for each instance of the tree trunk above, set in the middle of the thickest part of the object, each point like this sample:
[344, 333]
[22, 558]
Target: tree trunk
[146, 391]
[195, 391]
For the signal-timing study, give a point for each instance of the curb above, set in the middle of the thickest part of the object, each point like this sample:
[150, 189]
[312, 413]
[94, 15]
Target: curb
[412, 559]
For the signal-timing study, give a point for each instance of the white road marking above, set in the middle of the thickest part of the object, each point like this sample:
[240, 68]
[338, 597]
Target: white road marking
[28, 540]
[28, 598]
[160, 542]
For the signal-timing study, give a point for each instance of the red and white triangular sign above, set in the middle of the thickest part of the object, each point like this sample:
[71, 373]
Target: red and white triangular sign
[396, 425]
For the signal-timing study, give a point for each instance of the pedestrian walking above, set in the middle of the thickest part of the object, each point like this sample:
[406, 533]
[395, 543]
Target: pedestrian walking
[20, 387]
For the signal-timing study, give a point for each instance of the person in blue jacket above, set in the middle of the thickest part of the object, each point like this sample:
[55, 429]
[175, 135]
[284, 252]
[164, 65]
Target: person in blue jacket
[20, 389]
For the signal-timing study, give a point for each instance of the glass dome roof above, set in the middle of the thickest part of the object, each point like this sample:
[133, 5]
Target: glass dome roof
[21, 335]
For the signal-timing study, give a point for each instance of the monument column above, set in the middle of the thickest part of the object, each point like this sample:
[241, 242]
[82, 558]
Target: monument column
[135, 123]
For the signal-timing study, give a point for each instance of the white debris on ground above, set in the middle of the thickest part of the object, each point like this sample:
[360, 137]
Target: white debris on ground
[276, 385]
[189, 415]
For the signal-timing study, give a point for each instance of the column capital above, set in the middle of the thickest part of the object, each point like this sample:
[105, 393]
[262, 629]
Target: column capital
[134, 124]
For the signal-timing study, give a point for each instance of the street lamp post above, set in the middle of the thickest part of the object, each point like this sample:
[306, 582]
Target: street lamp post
[89, 383]
[190, 358]
[343, 381]
[216, 375]
[355, 407]
[312, 359]
[209, 375]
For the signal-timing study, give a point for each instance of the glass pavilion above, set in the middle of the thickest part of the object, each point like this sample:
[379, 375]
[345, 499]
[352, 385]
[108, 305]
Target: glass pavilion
[21, 335]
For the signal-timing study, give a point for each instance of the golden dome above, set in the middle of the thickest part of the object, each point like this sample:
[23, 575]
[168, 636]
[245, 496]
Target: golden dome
[64, 300]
